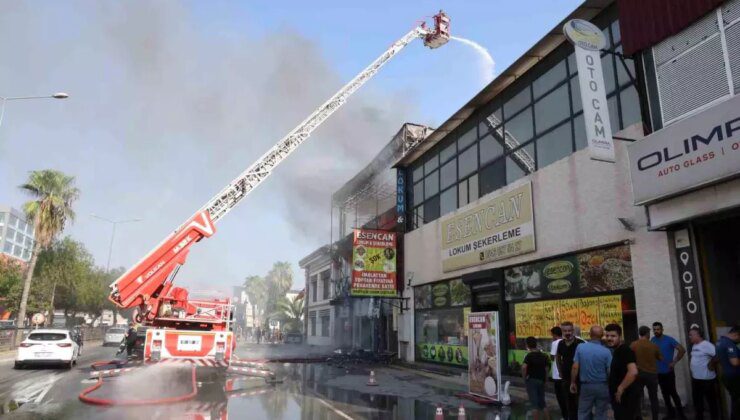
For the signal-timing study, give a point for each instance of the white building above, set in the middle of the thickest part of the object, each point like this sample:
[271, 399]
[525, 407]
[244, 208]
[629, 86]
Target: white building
[319, 321]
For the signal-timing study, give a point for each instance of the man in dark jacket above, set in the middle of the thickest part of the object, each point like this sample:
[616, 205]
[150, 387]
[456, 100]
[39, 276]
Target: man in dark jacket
[130, 339]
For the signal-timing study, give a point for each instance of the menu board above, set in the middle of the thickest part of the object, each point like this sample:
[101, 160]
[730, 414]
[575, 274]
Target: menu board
[484, 364]
[536, 318]
[600, 270]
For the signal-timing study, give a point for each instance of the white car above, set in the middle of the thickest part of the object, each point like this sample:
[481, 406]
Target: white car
[114, 336]
[47, 347]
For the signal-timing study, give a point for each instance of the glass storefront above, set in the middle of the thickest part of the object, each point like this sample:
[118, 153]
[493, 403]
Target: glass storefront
[587, 288]
[440, 311]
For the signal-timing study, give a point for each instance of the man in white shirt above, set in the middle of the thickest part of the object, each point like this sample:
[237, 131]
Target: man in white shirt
[561, 389]
[703, 375]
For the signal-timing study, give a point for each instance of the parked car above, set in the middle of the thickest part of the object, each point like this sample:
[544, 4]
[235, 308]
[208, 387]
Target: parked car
[47, 347]
[114, 336]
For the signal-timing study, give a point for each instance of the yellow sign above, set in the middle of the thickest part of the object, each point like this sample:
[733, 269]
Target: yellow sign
[536, 318]
[498, 228]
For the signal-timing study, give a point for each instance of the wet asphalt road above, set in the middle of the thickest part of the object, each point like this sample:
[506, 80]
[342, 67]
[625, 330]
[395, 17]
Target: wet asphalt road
[307, 391]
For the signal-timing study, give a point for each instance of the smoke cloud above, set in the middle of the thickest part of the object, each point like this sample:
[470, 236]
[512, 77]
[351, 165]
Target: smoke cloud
[165, 110]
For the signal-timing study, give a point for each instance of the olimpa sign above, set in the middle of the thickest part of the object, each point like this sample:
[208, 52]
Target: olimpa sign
[690, 153]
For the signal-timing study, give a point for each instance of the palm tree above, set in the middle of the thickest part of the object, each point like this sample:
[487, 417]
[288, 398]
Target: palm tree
[281, 275]
[256, 290]
[53, 193]
[290, 313]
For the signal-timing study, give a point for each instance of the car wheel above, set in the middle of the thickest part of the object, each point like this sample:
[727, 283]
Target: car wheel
[18, 365]
[68, 365]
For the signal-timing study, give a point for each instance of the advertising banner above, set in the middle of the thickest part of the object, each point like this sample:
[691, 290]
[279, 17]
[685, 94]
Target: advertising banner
[589, 41]
[499, 228]
[698, 150]
[373, 263]
[484, 364]
[594, 271]
[536, 318]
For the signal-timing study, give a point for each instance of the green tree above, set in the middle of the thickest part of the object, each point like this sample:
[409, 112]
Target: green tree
[11, 283]
[256, 289]
[279, 281]
[50, 209]
[290, 314]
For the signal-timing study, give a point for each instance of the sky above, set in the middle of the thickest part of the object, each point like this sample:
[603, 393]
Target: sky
[170, 100]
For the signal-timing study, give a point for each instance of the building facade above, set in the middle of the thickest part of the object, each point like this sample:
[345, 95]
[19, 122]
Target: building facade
[508, 212]
[16, 234]
[319, 317]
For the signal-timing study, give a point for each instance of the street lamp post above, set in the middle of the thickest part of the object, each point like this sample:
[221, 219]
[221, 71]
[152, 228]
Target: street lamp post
[113, 234]
[4, 100]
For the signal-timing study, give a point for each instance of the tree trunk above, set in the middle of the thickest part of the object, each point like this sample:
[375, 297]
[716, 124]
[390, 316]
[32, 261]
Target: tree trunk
[51, 304]
[21, 321]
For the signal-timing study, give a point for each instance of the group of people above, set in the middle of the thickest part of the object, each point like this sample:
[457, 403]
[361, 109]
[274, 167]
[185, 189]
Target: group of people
[266, 335]
[589, 376]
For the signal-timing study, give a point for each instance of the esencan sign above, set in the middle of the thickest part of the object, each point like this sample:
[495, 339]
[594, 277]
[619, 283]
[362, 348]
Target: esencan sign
[373, 263]
[699, 150]
[498, 228]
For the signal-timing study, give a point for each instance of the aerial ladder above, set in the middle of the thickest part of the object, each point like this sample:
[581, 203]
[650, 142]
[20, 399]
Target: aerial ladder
[182, 328]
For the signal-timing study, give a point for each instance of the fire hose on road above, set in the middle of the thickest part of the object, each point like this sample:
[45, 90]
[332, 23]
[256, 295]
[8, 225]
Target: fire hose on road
[84, 397]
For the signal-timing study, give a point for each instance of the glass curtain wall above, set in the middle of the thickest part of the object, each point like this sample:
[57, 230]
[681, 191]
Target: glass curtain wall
[528, 126]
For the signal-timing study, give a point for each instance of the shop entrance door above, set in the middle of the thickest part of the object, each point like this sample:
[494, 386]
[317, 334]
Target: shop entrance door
[719, 252]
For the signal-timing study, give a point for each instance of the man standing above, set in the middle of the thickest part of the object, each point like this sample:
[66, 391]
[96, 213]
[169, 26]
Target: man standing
[647, 355]
[564, 361]
[561, 393]
[622, 374]
[591, 365]
[534, 372]
[703, 378]
[729, 361]
[666, 375]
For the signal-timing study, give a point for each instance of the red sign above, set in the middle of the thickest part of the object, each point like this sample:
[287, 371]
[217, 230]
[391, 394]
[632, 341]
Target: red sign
[373, 263]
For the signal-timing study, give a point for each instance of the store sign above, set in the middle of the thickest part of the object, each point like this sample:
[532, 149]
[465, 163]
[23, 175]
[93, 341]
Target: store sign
[598, 270]
[373, 263]
[589, 41]
[696, 151]
[690, 298]
[484, 362]
[401, 198]
[500, 227]
[536, 318]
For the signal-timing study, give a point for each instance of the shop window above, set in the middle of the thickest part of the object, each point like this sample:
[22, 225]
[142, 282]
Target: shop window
[448, 174]
[614, 114]
[467, 139]
[551, 109]
[431, 209]
[447, 153]
[580, 132]
[516, 169]
[440, 313]
[468, 162]
[630, 106]
[575, 94]
[549, 80]
[419, 193]
[448, 201]
[490, 149]
[431, 184]
[554, 145]
[588, 288]
[517, 103]
[520, 127]
[493, 177]
[325, 320]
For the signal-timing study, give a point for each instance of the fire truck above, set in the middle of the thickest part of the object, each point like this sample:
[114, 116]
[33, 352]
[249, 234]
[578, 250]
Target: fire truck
[178, 328]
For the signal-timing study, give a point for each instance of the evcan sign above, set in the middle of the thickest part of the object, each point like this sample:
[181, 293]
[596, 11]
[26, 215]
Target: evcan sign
[693, 152]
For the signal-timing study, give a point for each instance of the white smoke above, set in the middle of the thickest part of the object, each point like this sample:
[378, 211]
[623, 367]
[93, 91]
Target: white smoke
[486, 63]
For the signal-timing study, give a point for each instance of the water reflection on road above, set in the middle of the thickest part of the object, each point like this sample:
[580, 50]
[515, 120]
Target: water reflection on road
[307, 391]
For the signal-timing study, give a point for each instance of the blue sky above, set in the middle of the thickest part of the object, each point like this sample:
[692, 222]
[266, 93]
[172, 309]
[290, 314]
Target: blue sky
[170, 100]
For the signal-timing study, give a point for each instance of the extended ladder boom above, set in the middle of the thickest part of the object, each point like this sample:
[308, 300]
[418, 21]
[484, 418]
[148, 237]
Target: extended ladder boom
[150, 278]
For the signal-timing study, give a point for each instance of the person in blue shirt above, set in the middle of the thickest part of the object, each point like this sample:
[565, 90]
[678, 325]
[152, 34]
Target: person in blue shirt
[729, 361]
[591, 365]
[672, 352]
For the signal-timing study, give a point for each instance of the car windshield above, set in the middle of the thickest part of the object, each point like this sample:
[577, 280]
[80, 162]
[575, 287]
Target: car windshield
[116, 331]
[47, 336]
